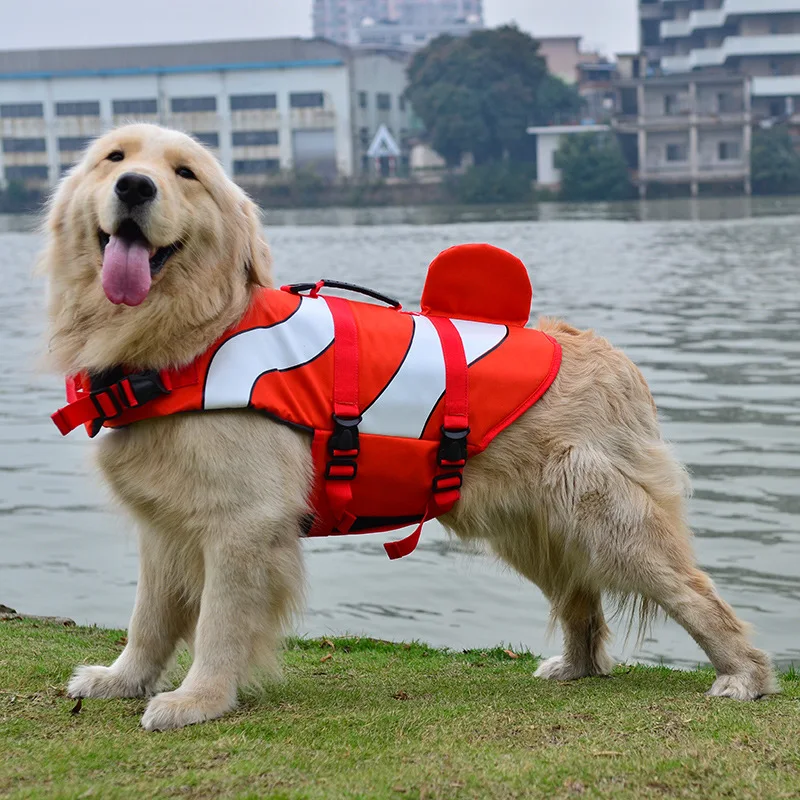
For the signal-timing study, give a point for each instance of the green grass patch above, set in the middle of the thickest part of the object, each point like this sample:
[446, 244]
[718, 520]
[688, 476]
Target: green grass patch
[360, 718]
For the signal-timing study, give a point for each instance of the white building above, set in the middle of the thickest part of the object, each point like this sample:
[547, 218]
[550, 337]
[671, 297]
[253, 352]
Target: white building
[263, 106]
[548, 140]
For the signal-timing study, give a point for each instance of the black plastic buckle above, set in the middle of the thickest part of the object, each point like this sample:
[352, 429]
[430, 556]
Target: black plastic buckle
[145, 386]
[453, 448]
[344, 438]
[109, 393]
[447, 476]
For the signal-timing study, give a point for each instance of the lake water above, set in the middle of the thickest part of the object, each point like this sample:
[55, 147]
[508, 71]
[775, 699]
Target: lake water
[703, 295]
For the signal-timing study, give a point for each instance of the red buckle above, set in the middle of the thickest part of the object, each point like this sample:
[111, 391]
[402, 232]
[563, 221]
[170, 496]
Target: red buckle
[447, 482]
[344, 469]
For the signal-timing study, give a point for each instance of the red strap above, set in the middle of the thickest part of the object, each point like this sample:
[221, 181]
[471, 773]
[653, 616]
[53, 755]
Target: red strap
[345, 358]
[408, 545]
[345, 405]
[84, 406]
[456, 418]
[456, 393]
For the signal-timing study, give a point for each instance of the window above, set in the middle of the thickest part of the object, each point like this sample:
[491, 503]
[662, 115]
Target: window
[775, 27]
[65, 168]
[135, 107]
[670, 104]
[775, 67]
[72, 144]
[729, 151]
[187, 105]
[24, 146]
[363, 136]
[777, 108]
[677, 152]
[249, 102]
[306, 100]
[362, 100]
[384, 101]
[256, 166]
[88, 108]
[401, 103]
[726, 103]
[27, 173]
[254, 138]
[209, 139]
[19, 110]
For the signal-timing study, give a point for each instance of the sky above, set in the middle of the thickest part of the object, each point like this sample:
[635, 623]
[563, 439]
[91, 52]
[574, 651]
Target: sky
[606, 25]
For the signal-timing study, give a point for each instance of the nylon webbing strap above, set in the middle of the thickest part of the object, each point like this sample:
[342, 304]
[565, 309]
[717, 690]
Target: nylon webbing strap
[343, 446]
[446, 489]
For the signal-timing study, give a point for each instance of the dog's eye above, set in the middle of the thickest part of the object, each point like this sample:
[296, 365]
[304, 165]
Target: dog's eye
[115, 155]
[185, 172]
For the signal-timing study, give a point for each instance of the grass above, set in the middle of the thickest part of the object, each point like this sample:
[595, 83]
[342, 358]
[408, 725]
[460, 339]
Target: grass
[358, 718]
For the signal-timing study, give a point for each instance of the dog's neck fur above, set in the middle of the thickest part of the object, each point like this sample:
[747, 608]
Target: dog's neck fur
[88, 333]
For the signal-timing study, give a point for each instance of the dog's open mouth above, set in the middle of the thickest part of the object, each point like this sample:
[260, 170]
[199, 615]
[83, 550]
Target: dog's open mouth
[130, 263]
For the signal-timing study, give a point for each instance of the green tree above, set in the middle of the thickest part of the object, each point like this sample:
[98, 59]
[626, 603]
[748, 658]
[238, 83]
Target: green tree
[479, 94]
[775, 164]
[593, 168]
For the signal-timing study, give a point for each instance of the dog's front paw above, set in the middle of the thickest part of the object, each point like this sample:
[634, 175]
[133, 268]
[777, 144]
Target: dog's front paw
[105, 683]
[559, 669]
[180, 708]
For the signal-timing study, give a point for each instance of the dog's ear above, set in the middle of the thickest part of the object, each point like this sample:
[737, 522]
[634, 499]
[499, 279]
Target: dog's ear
[258, 261]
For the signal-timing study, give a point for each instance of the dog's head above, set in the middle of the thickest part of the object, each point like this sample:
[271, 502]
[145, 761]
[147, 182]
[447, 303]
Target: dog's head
[148, 231]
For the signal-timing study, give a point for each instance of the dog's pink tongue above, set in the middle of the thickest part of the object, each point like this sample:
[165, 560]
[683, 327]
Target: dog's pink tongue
[126, 272]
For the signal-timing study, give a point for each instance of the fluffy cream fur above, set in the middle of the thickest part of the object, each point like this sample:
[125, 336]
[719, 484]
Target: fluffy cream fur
[581, 495]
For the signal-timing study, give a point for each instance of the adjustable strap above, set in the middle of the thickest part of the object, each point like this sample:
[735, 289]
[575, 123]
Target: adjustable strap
[104, 403]
[343, 445]
[452, 455]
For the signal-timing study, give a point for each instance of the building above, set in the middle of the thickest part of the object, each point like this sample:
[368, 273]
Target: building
[755, 38]
[548, 140]
[338, 20]
[691, 129]
[707, 72]
[406, 24]
[262, 106]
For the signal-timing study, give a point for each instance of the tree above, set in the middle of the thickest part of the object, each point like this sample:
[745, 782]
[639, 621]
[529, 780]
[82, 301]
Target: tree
[593, 168]
[775, 164]
[479, 94]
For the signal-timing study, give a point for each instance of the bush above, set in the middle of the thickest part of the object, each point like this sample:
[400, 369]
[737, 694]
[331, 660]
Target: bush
[499, 182]
[774, 162]
[593, 168]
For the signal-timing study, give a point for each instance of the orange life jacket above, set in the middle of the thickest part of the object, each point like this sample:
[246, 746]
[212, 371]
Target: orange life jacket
[395, 402]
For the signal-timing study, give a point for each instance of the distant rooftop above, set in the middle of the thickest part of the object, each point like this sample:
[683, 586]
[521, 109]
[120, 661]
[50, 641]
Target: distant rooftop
[171, 58]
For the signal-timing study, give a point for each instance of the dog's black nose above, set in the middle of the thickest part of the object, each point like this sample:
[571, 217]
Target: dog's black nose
[134, 189]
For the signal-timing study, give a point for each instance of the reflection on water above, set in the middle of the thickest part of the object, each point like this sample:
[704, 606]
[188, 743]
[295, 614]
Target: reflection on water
[704, 297]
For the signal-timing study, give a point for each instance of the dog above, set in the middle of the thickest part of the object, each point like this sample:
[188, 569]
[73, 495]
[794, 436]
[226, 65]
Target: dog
[151, 253]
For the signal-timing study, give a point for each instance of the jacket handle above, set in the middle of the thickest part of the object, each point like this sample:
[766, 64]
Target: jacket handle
[314, 288]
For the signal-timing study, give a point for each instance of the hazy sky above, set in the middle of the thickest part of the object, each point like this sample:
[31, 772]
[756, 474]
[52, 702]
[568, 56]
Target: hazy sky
[609, 25]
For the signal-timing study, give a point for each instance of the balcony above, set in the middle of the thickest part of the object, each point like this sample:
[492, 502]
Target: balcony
[697, 21]
[778, 86]
[733, 46]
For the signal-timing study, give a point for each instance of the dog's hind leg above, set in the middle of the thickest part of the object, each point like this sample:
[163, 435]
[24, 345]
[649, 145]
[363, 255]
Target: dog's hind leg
[638, 546]
[251, 571]
[164, 613]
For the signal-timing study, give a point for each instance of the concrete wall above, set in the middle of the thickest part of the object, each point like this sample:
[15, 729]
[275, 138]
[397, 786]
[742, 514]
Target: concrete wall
[562, 56]
[547, 145]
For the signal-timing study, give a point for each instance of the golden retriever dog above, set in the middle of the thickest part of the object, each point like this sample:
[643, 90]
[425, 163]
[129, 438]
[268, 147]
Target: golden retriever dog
[151, 254]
